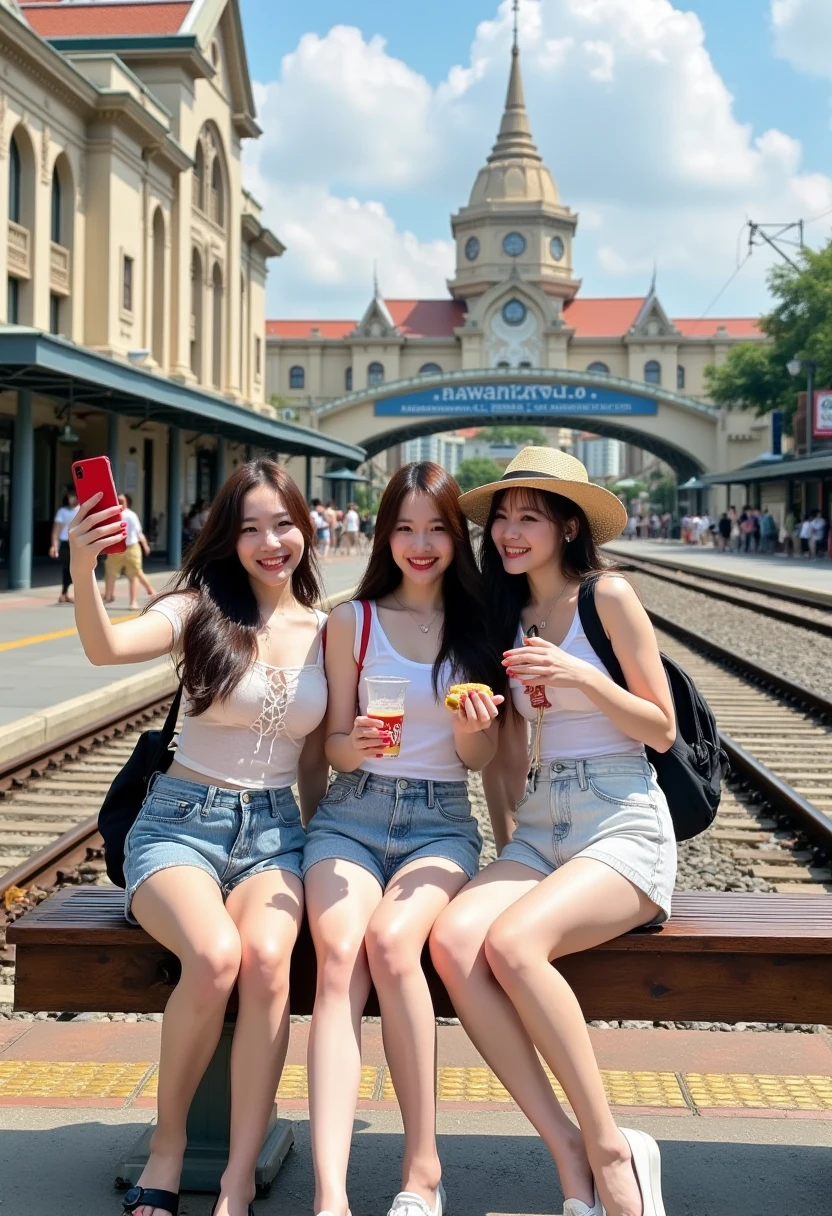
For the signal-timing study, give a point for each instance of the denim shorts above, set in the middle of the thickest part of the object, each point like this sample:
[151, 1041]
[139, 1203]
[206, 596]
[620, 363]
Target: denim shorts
[384, 823]
[608, 807]
[231, 834]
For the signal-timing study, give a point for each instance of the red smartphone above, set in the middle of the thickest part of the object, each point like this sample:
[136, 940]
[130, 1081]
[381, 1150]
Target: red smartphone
[95, 476]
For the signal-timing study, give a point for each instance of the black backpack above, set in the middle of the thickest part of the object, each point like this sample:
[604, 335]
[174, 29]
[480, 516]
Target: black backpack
[692, 771]
[120, 809]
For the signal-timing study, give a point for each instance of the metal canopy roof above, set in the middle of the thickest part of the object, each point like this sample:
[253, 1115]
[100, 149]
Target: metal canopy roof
[786, 468]
[54, 367]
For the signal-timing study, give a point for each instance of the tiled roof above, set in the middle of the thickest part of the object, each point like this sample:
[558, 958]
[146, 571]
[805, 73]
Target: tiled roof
[599, 318]
[100, 19]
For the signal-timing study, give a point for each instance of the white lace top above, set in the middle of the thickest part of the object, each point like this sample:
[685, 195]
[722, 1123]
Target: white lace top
[253, 739]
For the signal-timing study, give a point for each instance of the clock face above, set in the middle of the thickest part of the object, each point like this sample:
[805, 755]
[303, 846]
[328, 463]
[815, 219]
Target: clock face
[514, 244]
[472, 249]
[514, 312]
[557, 248]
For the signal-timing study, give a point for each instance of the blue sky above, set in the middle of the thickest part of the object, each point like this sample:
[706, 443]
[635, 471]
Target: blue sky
[765, 54]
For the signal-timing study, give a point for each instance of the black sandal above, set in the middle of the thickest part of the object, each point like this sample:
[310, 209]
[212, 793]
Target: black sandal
[139, 1196]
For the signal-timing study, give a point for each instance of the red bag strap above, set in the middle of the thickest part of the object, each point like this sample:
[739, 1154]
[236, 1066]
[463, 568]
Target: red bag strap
[366, 626]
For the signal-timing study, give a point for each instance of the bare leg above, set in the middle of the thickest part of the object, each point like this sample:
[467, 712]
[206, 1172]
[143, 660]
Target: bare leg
[492, 1022]
[109, 587]
[182, 908]
[267, 909]
[133, 591]
[340, 899]
[396, 935]
[147, 586]
[580, 906]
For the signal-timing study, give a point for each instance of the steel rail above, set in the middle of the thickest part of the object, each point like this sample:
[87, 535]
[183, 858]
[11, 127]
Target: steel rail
[804, 597]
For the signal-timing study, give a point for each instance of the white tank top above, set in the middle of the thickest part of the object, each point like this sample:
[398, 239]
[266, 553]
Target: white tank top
[574, 728]
[254, 739]
[428, 752]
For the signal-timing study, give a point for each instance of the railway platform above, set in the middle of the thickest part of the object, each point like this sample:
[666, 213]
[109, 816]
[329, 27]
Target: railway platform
[771, 571]
[744, 1120]
[41, 659]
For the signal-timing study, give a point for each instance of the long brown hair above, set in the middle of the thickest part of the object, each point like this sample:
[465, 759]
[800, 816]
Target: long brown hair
[508, 594]
[219, 642]
[465, 643]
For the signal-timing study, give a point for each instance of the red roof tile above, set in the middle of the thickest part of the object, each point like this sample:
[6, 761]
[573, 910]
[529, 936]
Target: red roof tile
[427, 318]
[602, 318]
[100, 19]
[303, 329]
[736, 327]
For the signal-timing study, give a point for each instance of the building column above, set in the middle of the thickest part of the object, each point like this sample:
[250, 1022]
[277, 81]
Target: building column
[174, 497]
[308, 478]
[22, 497]
[113, 430]
[222, 460]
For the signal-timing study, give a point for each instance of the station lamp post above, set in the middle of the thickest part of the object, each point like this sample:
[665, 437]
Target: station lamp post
[794, 368]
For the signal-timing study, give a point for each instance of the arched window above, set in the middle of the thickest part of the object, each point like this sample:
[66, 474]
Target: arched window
[56, 208]
[297, 377]
[429, 369]
[348, 380]
[375, 374]
[653, 372]
[15, 177]
[503, 365]
[196, 314]
[680, 377]
[217, 210]
[157, 340]
[525, 363]
[199, 177]
[600, 369]
[217, 328]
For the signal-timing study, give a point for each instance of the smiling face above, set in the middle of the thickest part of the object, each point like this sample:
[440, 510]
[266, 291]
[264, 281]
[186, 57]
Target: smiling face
[421, 545]
[270, 545]
[525, 535]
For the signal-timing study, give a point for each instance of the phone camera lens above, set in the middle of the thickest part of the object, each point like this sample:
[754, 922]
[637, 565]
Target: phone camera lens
[79, 472]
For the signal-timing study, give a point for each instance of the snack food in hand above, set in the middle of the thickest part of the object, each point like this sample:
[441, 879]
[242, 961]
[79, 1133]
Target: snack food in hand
[457, 691]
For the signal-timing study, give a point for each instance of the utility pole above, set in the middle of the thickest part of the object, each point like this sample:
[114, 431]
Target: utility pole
[770, 234]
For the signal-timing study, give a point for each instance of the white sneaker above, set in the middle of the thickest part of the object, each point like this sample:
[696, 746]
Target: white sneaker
[647, 1163]
[576, 1207]
[408, 1203]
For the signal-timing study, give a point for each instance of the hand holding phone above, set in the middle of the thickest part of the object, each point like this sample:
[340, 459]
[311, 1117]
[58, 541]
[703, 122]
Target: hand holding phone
[98, 527]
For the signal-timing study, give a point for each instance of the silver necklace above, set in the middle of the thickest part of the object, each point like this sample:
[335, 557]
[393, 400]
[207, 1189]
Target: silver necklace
[554, 602]
[424, 628]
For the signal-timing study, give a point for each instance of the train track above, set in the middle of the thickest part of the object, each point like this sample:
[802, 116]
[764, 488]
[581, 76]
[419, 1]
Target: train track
[812, 612]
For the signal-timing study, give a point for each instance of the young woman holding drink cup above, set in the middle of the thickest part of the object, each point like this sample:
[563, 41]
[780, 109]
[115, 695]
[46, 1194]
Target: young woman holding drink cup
[394, 839]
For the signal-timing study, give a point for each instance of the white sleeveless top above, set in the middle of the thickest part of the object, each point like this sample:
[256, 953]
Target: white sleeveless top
[574, 728]
[254, 739]
[428, 752]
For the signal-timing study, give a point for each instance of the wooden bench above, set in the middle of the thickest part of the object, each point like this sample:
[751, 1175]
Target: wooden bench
[727, 958]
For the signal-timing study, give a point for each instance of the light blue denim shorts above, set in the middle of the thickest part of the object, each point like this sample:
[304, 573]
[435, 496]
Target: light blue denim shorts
[384, 823]
[231, 834]
[608, 807]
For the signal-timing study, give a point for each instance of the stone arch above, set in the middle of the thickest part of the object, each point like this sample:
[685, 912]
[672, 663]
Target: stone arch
[217, 182]
[217, 320]
[157, 330]
[22, 251]
[197, 294]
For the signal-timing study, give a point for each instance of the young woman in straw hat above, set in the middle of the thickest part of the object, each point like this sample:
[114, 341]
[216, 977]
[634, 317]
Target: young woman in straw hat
[589, 852]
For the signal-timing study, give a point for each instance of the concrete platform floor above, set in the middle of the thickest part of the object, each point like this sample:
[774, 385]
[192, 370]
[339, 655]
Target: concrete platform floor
[41, 659]
[777, 569]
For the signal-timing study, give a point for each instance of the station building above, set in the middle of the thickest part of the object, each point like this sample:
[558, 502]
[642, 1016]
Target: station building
[132, 261]
[514, 304]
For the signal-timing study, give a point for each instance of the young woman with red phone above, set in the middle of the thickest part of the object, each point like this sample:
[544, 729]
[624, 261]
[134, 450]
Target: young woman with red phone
[213, 861]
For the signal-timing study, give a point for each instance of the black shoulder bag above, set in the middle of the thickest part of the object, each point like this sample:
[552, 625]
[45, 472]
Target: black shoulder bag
[692, 771]
[120, 809]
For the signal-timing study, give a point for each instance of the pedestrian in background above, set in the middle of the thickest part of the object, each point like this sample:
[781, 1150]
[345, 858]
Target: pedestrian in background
[59, 541]
[130, 561]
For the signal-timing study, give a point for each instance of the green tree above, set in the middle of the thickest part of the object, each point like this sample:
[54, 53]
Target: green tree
[530, 436]
[477, 471]
[799, 326]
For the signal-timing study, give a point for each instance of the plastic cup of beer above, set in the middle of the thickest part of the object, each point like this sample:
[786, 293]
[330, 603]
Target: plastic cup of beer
[385, 701]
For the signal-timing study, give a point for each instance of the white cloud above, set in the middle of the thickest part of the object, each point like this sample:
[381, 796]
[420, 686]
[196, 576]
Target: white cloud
[803, 34]
[626, 105]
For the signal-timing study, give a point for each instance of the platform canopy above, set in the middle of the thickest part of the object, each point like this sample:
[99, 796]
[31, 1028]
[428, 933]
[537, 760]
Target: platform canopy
[51, 366]
[774, 468]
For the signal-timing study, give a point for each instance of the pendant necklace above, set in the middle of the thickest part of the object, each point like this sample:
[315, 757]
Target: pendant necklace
[424, 628]
[554, 602]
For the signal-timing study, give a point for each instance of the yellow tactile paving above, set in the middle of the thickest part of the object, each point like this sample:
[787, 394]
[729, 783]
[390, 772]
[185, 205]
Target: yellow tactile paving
[760, 1091]
[48, 1079]
[45, 1079]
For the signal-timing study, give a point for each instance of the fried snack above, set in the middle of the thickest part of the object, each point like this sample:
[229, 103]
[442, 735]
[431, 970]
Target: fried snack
[457, 691]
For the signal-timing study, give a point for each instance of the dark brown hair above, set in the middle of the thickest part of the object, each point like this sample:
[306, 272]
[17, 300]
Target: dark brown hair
[465, 641]
[508, 594]
[219, 642]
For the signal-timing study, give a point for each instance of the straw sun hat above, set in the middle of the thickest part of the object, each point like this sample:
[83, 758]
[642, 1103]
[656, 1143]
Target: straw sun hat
[559, 473]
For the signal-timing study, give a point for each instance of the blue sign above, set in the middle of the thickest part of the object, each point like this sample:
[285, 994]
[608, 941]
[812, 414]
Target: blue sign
[501, 398]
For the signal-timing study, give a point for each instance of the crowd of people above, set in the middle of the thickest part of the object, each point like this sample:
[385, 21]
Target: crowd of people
[757, 530]
[490, 653]
[342, 533]
[128, 563]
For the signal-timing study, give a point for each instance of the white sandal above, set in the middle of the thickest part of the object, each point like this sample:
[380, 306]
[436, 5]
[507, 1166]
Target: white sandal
[647, 1163]
[576, 1207]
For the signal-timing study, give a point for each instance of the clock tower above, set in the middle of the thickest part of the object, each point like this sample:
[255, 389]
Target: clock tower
[514, 224]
